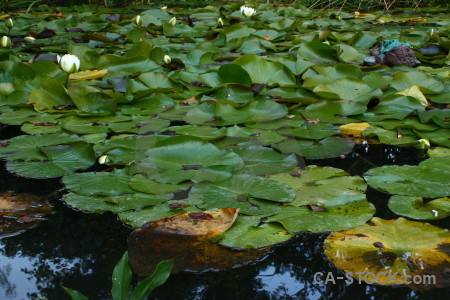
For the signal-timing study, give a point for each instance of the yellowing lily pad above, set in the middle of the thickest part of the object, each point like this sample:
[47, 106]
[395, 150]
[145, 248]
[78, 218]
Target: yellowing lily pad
[21, 212]
[185, 239]
[86, 75]
[393, 252]
[414, 91]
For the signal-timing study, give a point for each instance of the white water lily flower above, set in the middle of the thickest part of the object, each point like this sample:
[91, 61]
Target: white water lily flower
[5, 41]
[167, 59]
[9, 23]
[164, 8]
[248, 11]
[173, 21]
[69, 63]
[138, 21]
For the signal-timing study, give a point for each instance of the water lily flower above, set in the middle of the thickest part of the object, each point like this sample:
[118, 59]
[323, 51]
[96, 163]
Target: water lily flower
[9, 23]
[104, 159]
[29, 39]
[69, 63]
[138, 21]
[164, 8]
[248, 11]
[173, 21]
[220, 22]
[167, 59]
[5, 41]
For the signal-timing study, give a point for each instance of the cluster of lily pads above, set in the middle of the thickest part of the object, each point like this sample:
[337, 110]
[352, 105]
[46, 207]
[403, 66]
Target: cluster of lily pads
[187, 111]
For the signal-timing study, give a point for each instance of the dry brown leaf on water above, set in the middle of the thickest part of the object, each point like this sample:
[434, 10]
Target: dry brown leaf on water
[186, 239]
[21, 212]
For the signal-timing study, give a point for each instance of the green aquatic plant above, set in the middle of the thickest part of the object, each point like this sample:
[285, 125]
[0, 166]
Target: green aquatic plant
[121, 281]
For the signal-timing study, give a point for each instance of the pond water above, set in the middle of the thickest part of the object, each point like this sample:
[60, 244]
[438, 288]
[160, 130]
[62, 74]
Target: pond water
[79, 250]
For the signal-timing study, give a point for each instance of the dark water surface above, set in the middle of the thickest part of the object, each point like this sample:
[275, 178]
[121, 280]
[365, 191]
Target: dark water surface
[79, 250]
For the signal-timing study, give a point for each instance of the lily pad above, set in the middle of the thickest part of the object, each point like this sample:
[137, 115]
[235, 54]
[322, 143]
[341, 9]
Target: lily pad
[185, 239]
[417, 181]
[182, 158]
[315, 185]
[340, 213]
[326, 148]
[392, 252]
[247, 232]
[417, 208]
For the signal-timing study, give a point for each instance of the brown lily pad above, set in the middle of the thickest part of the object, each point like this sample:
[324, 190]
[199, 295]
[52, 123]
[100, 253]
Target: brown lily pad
[21, 212]
[186, 238]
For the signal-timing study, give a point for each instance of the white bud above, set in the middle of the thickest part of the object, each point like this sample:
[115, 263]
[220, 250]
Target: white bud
[173, 21]
[164, 8]
[167, 59]
[104, 159]
[220, 22]
[69, 63]
[138, 21]
[5, 42]
[58, 58]
[9, 23]
[29, 39]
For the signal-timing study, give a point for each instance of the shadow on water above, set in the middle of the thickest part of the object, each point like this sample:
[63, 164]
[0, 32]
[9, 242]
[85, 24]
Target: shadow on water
[79, 250]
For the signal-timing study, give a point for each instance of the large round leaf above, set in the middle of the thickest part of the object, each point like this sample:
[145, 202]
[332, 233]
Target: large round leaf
[315, 185]
[186, 158]
[248, 232]
[340, 213]
[393, 252]
[326, 148]
[417, 208]
[418, 181]
[53, 161]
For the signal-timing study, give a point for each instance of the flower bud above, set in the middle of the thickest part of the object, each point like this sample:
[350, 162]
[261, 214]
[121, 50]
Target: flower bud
[104, 159]
[9, 23]
[164, 8]
[29, 39]
[423, 144]
[5, 42]
[69, 63]
[138, 21]
[173, 21]
[220, 22]
[167, 59]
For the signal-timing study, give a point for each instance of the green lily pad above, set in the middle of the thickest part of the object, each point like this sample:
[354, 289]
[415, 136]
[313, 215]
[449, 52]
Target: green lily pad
[428, 84]
[417, 181]
[326, 148]
[315, 185]
[334, 111]
[248, 233]
[265, 71]
[311, 131]
[417, 208]
[263, 160]
[116, 204]
[340, 213]
[182, 158]
[240, 188]
[347, 89]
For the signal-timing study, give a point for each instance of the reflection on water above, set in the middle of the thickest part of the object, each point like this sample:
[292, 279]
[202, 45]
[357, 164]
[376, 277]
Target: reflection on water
[80, 250]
